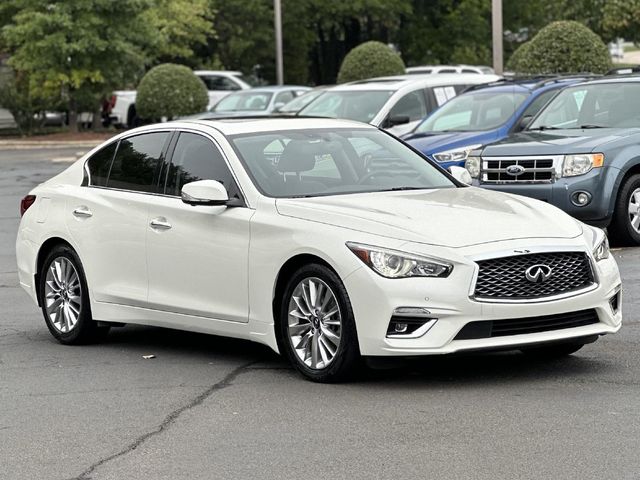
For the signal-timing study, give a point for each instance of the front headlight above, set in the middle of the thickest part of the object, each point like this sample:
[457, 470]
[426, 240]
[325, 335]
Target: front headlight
[473, 166]
[459, 154]
[574, 165]
[601, 251]
[395, 264]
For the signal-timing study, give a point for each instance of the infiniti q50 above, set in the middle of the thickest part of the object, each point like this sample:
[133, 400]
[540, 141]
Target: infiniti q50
[327, 240]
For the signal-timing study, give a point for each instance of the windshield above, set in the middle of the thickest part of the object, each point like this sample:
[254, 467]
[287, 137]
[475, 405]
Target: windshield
[243, 101]
[598, 105]
[361, 106]
[473, 112]
[300, 102]
[301, 163]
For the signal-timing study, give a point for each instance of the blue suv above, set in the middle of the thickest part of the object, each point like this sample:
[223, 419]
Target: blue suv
[483, 114]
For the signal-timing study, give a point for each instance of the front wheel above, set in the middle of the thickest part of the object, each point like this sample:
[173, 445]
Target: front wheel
[625, 225]
[64, 298]
[317, 327]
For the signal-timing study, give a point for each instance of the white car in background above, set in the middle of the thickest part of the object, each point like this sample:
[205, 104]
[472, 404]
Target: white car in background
[219, 83]
[429, 69]
[396, 104]
[279, 231]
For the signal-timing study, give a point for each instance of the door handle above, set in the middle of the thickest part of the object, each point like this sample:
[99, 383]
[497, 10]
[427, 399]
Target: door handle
[82, 212]
[160, 223]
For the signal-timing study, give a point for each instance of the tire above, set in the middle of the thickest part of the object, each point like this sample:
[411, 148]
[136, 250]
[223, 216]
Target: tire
[621, 229]
[319, 358]
[64, 299]
[553, 351]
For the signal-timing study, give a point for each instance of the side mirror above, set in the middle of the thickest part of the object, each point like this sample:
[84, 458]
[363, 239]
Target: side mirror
[524, 123]
[393, 120]
[461, 174]
[205, 193]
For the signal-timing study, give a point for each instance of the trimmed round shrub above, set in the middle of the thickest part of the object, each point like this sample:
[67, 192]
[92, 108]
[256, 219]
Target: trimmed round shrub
[562, 47]
[370, 59]
[170, 90]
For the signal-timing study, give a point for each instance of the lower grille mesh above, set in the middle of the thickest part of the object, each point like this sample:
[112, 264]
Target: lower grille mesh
[522, 326]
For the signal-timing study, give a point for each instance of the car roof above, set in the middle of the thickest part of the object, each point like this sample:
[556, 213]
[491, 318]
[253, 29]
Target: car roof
[621, 78]
[529, 84]
[401, 81]
[242, 125]
[217, 72]
[272, 88]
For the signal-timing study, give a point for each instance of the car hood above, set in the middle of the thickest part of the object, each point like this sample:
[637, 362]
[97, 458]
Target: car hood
[557, 142]
[437, 142]
[451, 217]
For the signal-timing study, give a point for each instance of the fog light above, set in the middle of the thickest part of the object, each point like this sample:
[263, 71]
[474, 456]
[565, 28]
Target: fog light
[615, 302]
[580, 199]
[410, 322]
[400, 327]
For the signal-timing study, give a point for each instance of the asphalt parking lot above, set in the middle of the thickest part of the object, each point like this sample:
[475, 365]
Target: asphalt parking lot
[209, 407]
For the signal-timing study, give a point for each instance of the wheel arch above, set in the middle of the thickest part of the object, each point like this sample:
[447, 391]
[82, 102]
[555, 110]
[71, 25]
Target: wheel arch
[43, 251]
[623, 175]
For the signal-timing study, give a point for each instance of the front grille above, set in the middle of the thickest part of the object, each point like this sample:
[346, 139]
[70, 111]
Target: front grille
[535, 170]
[522, 326]
[505, 278]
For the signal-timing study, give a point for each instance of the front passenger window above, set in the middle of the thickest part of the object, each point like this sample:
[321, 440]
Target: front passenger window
[197, 158]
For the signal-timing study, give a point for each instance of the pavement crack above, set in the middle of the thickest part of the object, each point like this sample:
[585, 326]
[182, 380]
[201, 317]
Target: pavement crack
[168, 421]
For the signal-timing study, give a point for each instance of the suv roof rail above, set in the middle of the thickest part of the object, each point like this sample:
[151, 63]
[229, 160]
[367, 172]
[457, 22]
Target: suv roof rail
[562, 78]
[517, 80]
[624, 70]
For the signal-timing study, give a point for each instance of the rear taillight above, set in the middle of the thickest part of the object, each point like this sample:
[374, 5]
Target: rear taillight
[26, 202]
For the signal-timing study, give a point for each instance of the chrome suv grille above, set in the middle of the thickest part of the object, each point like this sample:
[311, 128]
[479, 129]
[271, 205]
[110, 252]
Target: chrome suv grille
[506, 278]
[505, 170]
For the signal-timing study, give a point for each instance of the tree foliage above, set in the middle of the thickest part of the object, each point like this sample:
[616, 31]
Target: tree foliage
[170, 90]
[371, 59]
[18, 96]
[562, 47]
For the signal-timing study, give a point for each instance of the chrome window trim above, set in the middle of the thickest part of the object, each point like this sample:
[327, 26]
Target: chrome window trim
[525, 251]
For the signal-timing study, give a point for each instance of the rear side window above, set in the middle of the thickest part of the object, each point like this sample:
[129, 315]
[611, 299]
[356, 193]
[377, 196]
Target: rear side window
[136, 162]
[197, 158]
[100, 163]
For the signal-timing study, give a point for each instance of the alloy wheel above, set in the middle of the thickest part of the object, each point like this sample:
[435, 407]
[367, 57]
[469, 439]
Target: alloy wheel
[634, 210]
[62, 294]
[314, 323]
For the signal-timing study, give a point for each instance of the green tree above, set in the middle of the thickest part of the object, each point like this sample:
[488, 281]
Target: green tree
[371, 59]
[621, 18]
[17, 96]
[170, 90]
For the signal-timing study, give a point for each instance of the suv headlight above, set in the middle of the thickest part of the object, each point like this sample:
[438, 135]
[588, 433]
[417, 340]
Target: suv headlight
[574, 165]
[395, 264]
[601, 251]
[459, 154]
[473, 166]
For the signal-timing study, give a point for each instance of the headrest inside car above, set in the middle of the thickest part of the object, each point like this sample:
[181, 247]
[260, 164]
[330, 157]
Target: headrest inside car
[300, 155]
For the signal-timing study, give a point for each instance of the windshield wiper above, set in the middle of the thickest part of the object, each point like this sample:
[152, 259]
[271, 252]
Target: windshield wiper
[590, 125]
[399, 189]
[544, 127]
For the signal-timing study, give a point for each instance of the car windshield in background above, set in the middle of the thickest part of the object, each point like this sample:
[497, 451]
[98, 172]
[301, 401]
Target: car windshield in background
[301, 163]
[598, 105]
[300, 102]
[472, 112]
[358, 105]
[244, 102]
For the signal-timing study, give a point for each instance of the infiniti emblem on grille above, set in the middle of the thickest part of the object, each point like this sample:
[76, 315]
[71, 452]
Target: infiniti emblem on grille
[538, 273]
[515, 170]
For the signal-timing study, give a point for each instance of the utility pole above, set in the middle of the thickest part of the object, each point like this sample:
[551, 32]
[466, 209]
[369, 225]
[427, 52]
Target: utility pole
[277, 11]
[496, 31]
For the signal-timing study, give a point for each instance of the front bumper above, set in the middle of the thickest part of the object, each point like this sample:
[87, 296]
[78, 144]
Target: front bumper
[375, 298]
[559, 193]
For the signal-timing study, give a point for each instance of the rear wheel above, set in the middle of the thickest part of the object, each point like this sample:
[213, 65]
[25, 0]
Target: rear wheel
[625, 225]
[553, 351]
[64, 299]
[317, 328]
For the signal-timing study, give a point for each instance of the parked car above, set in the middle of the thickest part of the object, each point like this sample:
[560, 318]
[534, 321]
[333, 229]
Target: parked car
[396, 104]
[581, 153]
[278, 231]
[483, 114]
[429, 69]
[253, 102]
[219, 84]
[301, 101]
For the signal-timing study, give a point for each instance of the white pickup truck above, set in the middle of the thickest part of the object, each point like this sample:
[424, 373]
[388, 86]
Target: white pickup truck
[219, 84]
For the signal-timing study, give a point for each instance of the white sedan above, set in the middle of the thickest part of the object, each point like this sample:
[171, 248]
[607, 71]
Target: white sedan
[329, 241]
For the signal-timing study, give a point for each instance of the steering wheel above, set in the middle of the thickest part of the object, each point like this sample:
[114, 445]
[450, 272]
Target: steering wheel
[367, 176]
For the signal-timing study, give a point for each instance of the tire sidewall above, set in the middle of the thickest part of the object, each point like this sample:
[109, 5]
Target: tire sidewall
[621, 226]
[85, 321]
[348, 351]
